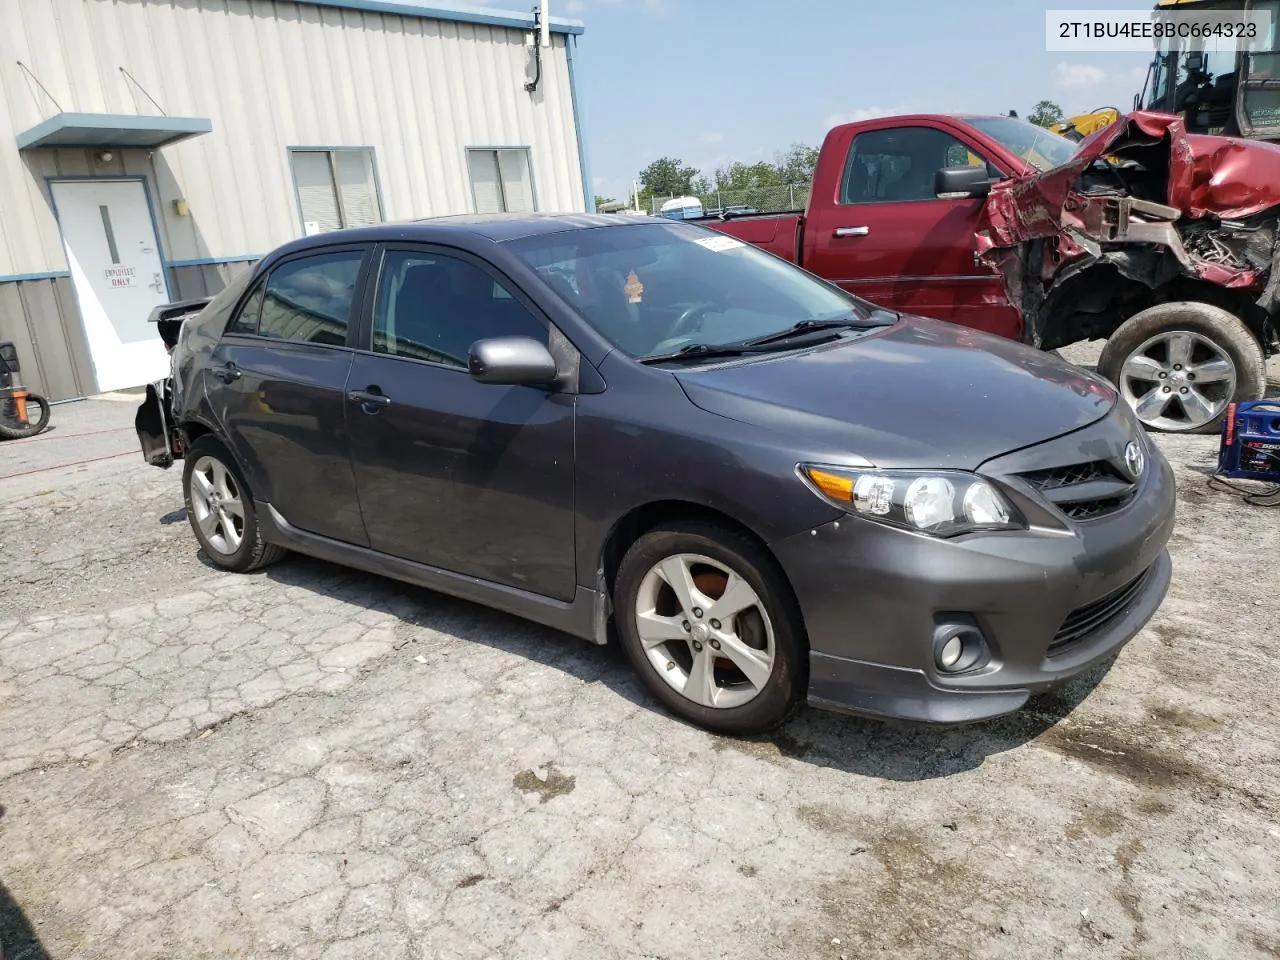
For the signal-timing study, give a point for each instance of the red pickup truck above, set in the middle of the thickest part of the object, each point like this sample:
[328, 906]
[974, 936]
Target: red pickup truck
[1165, 244]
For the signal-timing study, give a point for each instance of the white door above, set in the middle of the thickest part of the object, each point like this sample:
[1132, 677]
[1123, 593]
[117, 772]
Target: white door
[118, 276]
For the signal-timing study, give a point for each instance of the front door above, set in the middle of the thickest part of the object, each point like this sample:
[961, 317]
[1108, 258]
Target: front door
[118, 275]
[469, 477]
[892, 240]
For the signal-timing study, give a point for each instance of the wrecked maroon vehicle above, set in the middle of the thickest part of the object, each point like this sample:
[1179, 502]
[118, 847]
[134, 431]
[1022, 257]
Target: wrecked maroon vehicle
[1161, 243]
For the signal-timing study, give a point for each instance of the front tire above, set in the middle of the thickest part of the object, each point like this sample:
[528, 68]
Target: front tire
[220, 509]
[709, 623]
[1178, 366]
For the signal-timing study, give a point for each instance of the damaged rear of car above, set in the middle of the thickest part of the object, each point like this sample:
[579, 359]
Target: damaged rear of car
[190, 329]
[1164, 243]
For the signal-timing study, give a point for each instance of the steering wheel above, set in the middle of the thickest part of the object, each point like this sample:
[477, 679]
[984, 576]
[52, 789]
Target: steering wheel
[690, 319]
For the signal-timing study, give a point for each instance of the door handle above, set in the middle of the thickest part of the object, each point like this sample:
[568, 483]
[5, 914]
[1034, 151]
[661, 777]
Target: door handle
[372, 400]
[228, 372]
[852, 231]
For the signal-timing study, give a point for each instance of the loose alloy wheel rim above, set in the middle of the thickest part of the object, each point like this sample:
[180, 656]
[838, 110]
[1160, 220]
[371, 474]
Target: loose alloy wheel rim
[217, 504]
[1178, 381]
[705, 631]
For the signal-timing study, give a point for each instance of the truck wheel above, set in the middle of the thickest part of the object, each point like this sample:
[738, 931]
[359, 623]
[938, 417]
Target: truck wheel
[1179, 364]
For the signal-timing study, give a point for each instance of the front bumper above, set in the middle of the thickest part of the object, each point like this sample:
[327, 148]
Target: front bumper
[872, 597]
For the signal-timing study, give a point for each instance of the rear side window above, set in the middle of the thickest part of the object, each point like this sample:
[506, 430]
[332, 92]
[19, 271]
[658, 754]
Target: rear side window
[433, 307]
[246, 321]
[885, 166]
[309, 300]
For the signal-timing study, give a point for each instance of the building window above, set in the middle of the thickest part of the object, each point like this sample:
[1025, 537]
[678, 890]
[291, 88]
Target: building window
[336, 189]
[501, 180]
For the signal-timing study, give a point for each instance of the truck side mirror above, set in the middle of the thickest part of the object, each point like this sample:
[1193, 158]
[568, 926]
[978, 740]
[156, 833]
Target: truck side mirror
[962, 182]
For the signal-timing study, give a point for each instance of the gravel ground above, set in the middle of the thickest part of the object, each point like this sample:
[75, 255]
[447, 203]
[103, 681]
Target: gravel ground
[312, 762]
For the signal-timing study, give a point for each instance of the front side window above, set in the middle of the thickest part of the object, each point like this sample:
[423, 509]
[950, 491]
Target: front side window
[501, 180]
[336, 189]
[885, 166]
[652, 288]
[309, 300]
[434, 307]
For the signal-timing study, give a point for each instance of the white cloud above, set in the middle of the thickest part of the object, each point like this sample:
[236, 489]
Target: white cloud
[865, 113]
[711, 138]
[1077, 76]
[574, 8]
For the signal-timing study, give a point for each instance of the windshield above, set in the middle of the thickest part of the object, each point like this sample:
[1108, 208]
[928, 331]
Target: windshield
[1036, 145]
[660, 287]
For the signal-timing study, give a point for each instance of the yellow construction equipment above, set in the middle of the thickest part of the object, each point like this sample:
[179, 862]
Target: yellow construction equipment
[1213, 84]
[1081, 125]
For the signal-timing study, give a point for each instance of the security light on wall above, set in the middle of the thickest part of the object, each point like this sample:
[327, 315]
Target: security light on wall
[104, 156]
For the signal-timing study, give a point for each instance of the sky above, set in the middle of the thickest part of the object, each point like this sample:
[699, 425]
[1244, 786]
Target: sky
[710, 81]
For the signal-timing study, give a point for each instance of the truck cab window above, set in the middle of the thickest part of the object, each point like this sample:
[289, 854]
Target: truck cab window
[886, 166]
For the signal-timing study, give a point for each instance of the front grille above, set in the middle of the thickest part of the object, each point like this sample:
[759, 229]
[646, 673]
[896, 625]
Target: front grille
[1074, 475]
[1083, 491]
[1092, 509]
[1083, 621]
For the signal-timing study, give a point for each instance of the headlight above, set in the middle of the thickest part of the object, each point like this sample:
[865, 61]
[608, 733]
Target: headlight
[943, 503]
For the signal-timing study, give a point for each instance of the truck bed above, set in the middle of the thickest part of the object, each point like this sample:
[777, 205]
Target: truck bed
[779, 233]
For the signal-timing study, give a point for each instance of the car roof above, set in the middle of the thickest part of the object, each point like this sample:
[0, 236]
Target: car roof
[497, 228]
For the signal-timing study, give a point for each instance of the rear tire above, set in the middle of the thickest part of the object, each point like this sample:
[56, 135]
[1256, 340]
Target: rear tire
[220, 509]
[740, 673]
[37, 418]
[1178, 365]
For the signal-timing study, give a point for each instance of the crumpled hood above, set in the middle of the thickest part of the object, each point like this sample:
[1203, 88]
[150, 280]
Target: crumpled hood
[918, 394]
[1218, 176]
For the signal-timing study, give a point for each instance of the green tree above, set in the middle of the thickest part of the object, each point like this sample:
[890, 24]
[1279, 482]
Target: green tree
[601, 201]
[667, 177]
[797, 163]
[1046, 113]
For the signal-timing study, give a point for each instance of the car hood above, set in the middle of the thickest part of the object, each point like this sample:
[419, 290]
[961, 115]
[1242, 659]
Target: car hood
[917, 394]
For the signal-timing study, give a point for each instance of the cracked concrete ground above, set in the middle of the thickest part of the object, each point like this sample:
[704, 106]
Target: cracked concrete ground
[313, 762]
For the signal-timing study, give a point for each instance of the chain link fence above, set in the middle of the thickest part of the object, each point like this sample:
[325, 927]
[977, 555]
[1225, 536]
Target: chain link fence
[752, 200]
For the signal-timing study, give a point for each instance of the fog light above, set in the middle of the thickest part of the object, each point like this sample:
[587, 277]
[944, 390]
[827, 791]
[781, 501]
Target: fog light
[959, 646]
[950, 653]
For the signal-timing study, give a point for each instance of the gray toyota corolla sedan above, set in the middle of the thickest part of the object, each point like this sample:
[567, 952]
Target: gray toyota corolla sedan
[767, 489]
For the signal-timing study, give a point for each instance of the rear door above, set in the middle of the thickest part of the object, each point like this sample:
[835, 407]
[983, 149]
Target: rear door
[472, 478]
[278, 383]
[891, 239]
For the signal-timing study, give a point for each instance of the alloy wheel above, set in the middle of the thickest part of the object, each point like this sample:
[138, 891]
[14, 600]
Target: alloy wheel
[1178, 381]
[705, 631]
[217, 504]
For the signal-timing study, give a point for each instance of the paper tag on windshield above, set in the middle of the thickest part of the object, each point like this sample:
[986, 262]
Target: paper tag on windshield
[719, 244]
[634, 289]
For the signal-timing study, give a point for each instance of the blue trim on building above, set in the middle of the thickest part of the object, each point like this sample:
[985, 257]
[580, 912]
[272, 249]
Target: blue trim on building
[215, 261]
[111, 130]
[454, 12]
[46, 275]
[588, 188]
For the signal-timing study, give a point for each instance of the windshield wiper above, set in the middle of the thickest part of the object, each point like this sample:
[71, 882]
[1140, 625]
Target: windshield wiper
[881, 318]
[701, 351]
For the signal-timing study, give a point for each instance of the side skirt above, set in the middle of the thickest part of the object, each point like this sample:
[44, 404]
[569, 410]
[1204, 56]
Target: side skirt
[584, 617]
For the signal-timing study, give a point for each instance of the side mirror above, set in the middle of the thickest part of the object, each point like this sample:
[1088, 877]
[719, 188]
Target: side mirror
[962, 181]
[511, 361]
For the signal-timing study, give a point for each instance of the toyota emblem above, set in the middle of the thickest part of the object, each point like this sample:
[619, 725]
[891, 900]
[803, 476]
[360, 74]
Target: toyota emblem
[1134, 459]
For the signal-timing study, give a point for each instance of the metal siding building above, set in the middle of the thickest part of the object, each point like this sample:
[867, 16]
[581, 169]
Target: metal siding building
[236, 125]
